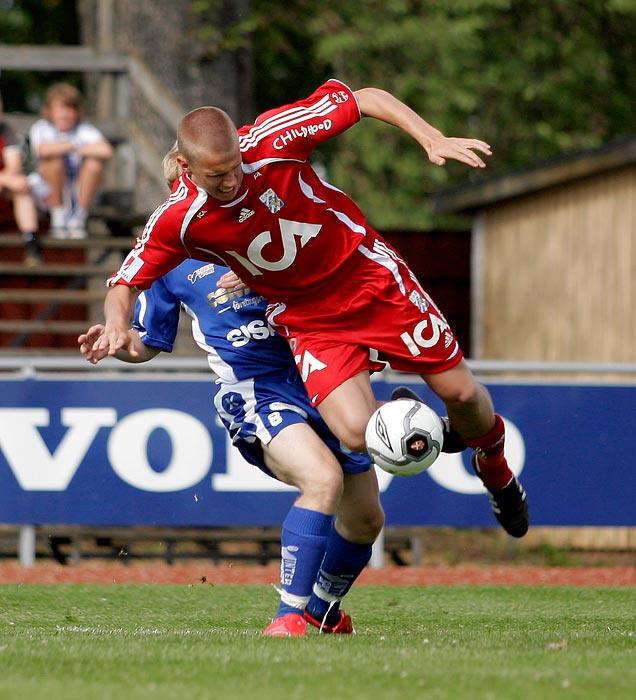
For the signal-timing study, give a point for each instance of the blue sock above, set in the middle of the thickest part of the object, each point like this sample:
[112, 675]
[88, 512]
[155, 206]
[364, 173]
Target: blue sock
[303, 542]
[343, 563]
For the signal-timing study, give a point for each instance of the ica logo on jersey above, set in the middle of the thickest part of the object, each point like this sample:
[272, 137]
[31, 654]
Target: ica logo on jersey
[292, 235]
[426, 334]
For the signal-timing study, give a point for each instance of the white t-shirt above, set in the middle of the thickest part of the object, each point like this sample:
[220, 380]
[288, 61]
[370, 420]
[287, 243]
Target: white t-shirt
[43, 131]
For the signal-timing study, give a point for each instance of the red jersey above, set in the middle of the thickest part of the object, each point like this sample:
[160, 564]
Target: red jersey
[342, 297]
[287, 231]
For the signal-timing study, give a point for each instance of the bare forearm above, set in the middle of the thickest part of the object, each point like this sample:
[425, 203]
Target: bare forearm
[143, 352]
[134, 351]
[118, 308]
[381, 105]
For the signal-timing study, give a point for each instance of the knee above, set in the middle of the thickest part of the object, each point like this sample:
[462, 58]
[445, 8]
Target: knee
[362, 527]
[352, 435]
[373, 524]
[322, 491]
[465, 395]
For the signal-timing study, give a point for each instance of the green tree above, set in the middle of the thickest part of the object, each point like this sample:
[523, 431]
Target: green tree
[533, 79]
[34, 22]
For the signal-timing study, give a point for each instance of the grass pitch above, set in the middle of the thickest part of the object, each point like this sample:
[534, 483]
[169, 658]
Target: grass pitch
[432, 643]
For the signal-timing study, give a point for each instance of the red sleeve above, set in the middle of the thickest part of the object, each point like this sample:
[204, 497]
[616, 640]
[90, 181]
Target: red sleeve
[293, 131]
[146, 263]
[157, 250]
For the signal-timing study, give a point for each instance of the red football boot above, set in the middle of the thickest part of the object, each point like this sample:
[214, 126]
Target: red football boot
[290, 625]
[343, 626]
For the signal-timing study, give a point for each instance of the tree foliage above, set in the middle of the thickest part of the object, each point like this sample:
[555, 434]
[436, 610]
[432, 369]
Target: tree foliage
[533, 79]
[34, 22]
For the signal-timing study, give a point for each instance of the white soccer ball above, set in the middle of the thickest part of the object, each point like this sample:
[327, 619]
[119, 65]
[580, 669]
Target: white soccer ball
[404, 437]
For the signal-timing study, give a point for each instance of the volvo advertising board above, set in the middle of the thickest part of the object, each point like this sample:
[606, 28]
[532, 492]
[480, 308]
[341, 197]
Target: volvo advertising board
[141, 450]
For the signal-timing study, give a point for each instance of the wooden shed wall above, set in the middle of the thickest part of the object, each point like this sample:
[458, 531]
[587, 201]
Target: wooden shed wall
[558, 273]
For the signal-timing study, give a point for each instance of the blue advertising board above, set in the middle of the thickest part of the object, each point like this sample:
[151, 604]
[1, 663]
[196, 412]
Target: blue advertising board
[148, 451]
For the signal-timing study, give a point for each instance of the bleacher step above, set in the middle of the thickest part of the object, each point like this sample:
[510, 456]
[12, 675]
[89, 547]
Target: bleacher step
[57, 270]
[35, 296]
[123, 243]
[49, 327]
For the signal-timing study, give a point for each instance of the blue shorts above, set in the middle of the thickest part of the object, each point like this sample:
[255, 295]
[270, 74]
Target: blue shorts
[254, 411]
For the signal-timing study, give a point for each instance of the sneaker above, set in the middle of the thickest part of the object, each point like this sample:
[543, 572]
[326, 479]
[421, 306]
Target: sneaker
[77, 224]
[343, 626]
[290, 625]
[403, 392]
[77, 233]
[59, 233]
[57, 226]
[452, 442]
[510, 505]
[32, 253]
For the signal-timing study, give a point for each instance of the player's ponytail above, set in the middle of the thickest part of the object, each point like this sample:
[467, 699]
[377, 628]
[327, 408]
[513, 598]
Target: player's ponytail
[171, 166]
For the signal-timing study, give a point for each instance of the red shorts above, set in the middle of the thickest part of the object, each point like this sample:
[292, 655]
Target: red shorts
[375, 313]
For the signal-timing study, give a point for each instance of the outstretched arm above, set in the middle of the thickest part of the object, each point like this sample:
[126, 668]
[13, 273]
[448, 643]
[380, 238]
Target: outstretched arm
[381, 105]
[118, 308]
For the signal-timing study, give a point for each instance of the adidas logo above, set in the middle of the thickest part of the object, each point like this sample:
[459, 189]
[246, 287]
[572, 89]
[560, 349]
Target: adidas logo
[245, 214]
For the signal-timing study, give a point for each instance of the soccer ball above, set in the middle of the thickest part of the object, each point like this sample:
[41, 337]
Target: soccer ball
[404, 437]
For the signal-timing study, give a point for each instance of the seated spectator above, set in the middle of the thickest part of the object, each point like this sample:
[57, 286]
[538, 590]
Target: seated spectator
[71, 155]
[15, 188]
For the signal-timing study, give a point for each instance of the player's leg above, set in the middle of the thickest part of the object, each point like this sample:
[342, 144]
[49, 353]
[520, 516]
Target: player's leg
[348, 408]
[471, 413]
[268, 422]
[468, 402]
[298, 457]
[430, 349]
[359, 520]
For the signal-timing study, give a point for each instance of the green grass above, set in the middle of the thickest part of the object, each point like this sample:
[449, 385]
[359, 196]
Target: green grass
[431, 643]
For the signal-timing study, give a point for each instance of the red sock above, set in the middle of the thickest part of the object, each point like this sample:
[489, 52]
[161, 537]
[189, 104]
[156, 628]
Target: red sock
[491, 462]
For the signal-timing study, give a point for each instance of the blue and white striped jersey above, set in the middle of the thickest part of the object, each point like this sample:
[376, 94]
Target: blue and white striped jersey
[228, 326]
[261, 391]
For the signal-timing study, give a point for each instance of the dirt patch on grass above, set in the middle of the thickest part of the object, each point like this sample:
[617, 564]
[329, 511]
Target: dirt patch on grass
[413, 556]
[206, 573]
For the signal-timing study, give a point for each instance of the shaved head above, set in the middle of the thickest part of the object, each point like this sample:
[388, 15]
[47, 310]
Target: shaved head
[206, 131]
[208, 152]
